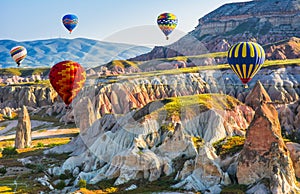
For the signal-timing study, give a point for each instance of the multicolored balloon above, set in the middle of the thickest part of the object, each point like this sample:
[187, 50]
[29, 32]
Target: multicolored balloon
[67, 78]
[70, 21]
[18, 53]
[167, 22]
[246, 59]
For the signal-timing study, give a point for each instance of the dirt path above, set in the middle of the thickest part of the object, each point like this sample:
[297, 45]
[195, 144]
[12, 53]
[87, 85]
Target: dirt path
[47, 132]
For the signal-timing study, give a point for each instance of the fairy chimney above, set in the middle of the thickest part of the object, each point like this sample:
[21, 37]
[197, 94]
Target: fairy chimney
[23, 131]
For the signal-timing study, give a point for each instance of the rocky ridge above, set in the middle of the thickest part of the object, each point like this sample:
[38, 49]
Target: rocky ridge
[264, 22]
[265, 157]
[147, 142]
[281, 84]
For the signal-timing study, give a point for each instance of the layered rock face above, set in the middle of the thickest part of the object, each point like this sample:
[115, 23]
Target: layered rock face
[264, 22]
[272, 17]
[31, 96]
[265, 155]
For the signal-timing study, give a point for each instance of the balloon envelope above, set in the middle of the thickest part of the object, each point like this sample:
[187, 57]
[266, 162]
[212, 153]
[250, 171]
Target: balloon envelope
[167, 22]
[246, 59]
[70, 21]
[67, 79]
[18, 53]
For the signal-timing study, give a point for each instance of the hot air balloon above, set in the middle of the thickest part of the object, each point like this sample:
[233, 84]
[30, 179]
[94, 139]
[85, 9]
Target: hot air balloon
[246, 59]
[67, 78]
[70, 21]
[167, 22]
[18, 53]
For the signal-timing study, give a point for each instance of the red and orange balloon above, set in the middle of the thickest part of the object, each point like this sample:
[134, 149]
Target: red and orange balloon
[67, 78]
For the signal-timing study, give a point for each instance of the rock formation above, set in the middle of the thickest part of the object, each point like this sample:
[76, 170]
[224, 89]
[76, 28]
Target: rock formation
[264, 22]
[31, 96]
[257, 96]
[294, 149]
[206, 174]
[23, 131]
[149, 143]
[84, 114]
[265, 155]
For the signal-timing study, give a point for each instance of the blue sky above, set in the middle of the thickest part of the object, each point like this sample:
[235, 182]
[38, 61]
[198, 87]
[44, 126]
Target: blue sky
[129, 21]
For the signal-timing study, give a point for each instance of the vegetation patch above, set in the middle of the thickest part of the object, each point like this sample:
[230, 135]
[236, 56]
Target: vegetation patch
[198, 142]
[229, 146]
[202, 101]
[9, 151]
[21, 184]
[163, 184]
[236, 189]
[122, 64]
[24, 71]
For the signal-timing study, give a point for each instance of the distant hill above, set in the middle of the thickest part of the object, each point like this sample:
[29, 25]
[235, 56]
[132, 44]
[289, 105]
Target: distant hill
[87, 52]
[262, 21]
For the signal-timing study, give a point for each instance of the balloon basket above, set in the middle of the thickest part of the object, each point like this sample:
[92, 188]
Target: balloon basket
[246, 86]
[68, 107]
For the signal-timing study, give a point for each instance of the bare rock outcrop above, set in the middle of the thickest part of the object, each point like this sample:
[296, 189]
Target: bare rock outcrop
[207, 174]
[23, 131]
[84, 114]
[139, 144]
[265, 155]
[30, 96]
[257, 95]
[294, 149]
[176, 144]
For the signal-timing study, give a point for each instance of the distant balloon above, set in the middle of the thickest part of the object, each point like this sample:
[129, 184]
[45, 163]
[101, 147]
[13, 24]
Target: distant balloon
[67, 78]
[246, 59]
[18, 53]
[167, 22]
[70, 21]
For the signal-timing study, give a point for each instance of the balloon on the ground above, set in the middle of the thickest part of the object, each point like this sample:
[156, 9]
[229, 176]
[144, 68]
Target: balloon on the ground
[167, 22]
[67, 78]
[18, 53]
[246, 59]
[70, 21]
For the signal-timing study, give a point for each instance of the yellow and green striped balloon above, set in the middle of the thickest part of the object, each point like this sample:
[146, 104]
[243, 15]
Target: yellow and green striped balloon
[246, 59]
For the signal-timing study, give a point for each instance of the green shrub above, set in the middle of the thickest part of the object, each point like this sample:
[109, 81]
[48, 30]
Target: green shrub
[64, 176]
[60, 185]
[3, 170]
[198, 142]
[229, 146]
[236, 189]
[40, 145]
[82, 183]
[40, 168]
[9, 151]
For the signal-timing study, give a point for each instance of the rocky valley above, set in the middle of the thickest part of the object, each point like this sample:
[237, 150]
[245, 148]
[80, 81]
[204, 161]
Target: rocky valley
[175, 119]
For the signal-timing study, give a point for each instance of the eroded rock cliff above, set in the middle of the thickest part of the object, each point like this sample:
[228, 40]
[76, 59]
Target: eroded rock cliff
[265, 156]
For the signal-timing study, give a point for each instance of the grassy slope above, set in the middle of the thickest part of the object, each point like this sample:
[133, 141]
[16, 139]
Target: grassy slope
[124, 63]
[25, 180]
